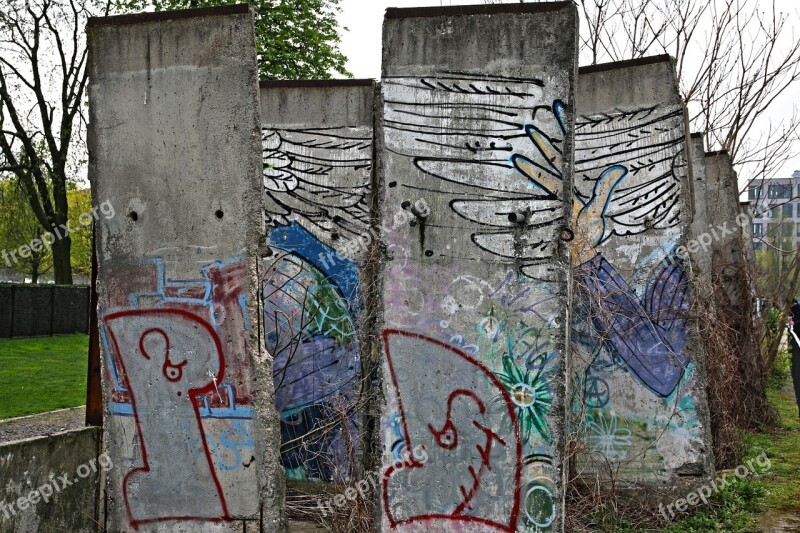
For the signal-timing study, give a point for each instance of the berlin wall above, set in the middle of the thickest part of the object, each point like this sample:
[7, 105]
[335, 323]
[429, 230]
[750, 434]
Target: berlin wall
[638, 361]
[317, 172]
[700, 220]
[270, 264]
[175, 147]
[728, 253]
[476, 145]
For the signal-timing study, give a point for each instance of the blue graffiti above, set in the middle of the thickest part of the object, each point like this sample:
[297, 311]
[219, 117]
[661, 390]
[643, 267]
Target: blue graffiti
[648, 336]
[162, 298]
[310, 311]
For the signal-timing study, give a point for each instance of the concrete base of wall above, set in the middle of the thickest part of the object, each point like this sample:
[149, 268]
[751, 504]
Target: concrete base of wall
[51, 483]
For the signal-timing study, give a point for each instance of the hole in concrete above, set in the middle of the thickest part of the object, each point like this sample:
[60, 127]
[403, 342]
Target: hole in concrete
[133, 215]
[219, 214]
[392, 184]
[428, 253]
[335, 236]
[406, 204]
[412, 223]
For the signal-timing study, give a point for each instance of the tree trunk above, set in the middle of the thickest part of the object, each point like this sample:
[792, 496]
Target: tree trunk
[35, 272]
[62, 267]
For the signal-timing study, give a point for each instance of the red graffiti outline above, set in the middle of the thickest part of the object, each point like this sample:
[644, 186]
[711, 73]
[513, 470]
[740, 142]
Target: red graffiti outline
[411, 463]
[192, 393]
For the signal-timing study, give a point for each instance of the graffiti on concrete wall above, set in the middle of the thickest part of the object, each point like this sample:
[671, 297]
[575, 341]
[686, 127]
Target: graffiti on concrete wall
[632, 295]
[166, 356]
[318, 178]
[317, 183]
[648, 335]
[473, 306]
[460, 429]
[179, 392]
[506, 158]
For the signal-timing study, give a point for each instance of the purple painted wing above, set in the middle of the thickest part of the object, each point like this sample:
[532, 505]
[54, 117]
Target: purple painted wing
[667, 302]
[627, 327]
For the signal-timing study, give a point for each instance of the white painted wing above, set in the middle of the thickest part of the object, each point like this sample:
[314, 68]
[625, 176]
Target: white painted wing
[491, 148]
[319, 178]
[649, 143]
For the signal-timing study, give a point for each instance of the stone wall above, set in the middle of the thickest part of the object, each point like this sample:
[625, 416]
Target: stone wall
[643, 408]
[476, 144]
[51, 484]
[175, 147]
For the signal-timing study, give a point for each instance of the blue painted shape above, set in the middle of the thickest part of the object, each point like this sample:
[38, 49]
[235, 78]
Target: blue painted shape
[629, 327]
[341, 270]
[560, 111]
[122, 409]
[316, 366]
[109, 359]
[667, 302]
[243, 304]
[237, 412]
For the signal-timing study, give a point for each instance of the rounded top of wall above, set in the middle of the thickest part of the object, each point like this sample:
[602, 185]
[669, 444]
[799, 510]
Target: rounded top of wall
[480, 9]
[161, 16]
[283, 84]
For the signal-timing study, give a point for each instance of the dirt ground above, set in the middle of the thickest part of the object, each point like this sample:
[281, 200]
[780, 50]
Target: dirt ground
[26, 427]
[295, 526]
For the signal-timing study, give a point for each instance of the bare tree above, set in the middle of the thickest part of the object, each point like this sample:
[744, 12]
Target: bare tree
[42, 84]
[734, 58]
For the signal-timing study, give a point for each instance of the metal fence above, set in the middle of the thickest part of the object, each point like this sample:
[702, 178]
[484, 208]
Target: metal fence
[39, 310]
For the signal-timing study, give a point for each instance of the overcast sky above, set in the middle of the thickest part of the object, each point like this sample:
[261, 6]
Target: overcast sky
[362, 45]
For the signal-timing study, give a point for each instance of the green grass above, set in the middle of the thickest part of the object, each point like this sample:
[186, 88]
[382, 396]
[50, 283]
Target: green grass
[732, 510]
[783, 449]
[42, 374]
[776, 492]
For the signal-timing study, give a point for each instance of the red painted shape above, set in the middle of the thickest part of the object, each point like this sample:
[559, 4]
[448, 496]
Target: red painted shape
[192, 393]
[228, 283]
[456, 516]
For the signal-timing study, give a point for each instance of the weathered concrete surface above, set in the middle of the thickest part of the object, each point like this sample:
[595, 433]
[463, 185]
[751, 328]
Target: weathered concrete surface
[644, 409]
[728, 250]
[700, 220]
[175, 147]
[476, 147]
[317, 153]
[51, 484]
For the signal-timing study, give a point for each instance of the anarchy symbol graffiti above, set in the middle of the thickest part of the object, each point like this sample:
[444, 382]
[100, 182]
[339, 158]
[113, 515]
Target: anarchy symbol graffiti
[597, 392]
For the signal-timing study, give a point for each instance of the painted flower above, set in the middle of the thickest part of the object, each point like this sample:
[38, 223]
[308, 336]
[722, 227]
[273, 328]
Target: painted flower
[606, 437]
[531, 396]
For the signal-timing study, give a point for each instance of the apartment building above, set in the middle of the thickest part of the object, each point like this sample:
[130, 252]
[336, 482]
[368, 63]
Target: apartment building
[775, 205]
